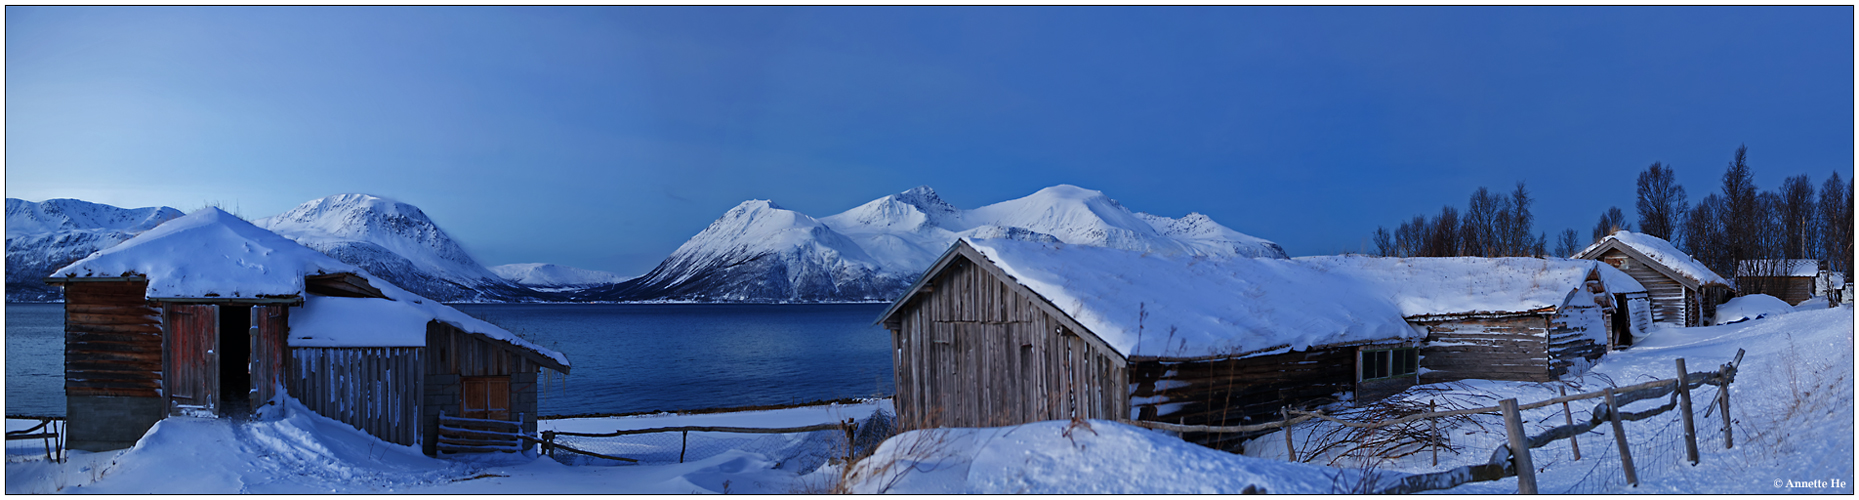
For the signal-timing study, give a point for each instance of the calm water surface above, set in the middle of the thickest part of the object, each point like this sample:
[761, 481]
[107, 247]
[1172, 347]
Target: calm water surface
[624, 357]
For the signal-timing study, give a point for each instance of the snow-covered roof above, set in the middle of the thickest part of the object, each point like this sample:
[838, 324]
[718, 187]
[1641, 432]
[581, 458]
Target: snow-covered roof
[213, 254]
[1618, 281]
[1797, 268]
[209, 253]
[1424, 287]
[1196, 306]
[1660, 251]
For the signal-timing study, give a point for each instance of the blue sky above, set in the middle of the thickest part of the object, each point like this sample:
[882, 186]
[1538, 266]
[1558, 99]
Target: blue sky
[603, 137]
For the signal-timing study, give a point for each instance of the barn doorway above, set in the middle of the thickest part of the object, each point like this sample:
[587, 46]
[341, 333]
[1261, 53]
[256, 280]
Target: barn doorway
[235, 360]
[1622, 323]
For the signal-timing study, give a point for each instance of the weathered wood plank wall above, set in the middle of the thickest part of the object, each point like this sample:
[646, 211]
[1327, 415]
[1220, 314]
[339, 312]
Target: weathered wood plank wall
[454, 354]
[1237, 391]
[1671, 301]
[375, 389]
[1508, 348]
[973, 352]
[1792, 290]
[112, 340]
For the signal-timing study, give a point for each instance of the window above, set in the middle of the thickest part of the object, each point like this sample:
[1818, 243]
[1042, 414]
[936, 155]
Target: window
[1388, 363]
[487, 398]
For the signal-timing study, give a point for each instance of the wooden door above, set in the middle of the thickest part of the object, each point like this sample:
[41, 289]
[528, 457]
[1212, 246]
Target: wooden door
[190, 365]
[270, 328]
[487, 398]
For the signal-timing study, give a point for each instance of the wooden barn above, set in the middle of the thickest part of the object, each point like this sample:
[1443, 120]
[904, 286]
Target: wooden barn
[209, 316]
[1002, 332]
[1792, 280]
[1683, 292]
[1505, 318]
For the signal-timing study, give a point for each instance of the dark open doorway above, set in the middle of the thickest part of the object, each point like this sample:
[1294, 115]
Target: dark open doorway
[235, 356]
[1622, 327]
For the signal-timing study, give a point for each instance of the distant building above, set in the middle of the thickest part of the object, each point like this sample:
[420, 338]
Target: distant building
[1002, 332]
[210, 316]
[1683, 291]
[1791, 280]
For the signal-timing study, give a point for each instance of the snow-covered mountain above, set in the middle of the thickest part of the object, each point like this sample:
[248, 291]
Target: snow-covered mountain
[44, 236]
[396, 242]
[551, 276]
[760, 252]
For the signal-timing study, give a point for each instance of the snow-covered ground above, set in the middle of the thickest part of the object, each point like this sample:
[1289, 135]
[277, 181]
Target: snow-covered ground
[1792, 404]
[301, 452]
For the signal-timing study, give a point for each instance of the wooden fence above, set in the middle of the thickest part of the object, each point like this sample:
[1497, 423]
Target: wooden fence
[1504, 462]
[50, 431]
[473, 435]
[375, 389]
[550, 444]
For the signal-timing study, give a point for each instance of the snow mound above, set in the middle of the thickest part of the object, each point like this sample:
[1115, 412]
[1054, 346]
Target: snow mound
[1097, 457]
[1438, 286]
[1197, 305]
[1750, 307]
[210, 253]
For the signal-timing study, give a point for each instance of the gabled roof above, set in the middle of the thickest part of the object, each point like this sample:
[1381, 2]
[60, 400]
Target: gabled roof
[1431, 288]
[211, 255]
[1177, 306]
[1658, 254]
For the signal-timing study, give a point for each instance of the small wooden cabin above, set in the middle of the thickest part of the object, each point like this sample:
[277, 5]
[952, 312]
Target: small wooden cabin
[195, 318]
[1002, 332]
[1683, 291]
[1792, 280]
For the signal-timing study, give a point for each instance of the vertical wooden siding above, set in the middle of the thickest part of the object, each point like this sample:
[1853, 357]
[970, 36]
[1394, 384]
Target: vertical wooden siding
[454, 354]
[375, 389]
[270, 328]
[112, 340]
[973, 352]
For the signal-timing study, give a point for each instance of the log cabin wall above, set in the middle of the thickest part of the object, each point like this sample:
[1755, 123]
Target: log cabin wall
[1504, 348]
[453, 354]
[112, 364]
[1578, 334]
[374, 389]
[1791, 289]
[972, 351]
[1672, 302]
[1238, 391]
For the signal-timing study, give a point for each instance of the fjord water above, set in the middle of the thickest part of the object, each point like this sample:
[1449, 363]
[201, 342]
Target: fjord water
[625, 357]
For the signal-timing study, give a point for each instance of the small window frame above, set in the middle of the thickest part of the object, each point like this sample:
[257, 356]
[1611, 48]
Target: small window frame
[1387, 363]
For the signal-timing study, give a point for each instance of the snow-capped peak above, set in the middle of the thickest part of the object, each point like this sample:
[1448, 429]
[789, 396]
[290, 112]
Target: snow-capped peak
[551, 275]
[396, 226]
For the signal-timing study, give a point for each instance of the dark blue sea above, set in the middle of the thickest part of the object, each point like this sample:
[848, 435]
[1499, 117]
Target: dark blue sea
[624, 357]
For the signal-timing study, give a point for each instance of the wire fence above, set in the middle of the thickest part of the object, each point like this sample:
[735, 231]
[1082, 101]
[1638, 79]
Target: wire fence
[800, 449]
[1656, 448]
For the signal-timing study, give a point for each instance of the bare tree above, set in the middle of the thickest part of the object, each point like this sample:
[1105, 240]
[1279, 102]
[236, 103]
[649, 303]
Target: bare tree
[1443, 234]
[1384, 242]
[1565, 244]
[1795, 208]
[1661, 201]
[1836, 220]
[1514, 220]
[1704, 234]
[1739, 215]
[1611, 220]
[1480, 223]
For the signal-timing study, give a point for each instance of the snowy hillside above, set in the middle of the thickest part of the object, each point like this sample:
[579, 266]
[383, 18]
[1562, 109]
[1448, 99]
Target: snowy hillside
[44, 236]
[759, 252]
[551, 276]
[396, 242]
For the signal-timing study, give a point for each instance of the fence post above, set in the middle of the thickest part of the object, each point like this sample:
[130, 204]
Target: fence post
[849, 427]
[1684, 408]
[548, 443]
[1569, 418]
[1433, 428]
[1723, 404]
[1620, 437]
[1290, 452]
[1519, 448]
[684, 443]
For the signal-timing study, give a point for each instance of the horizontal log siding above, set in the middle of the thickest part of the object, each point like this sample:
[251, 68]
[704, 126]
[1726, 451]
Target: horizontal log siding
[972, 352]
[1792, 290]
[453, 354]
[1237, 391]
[1512, 348]
[1577, 333]
[375, 389]
[1668, 296]
[112, 340]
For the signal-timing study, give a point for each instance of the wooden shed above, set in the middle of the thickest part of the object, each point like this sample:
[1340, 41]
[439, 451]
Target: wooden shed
[1683, 291]
[1001, 332]
[1792, 280]
[195, 318]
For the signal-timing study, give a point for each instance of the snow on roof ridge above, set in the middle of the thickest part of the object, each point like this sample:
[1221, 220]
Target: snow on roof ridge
[1662, 251]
